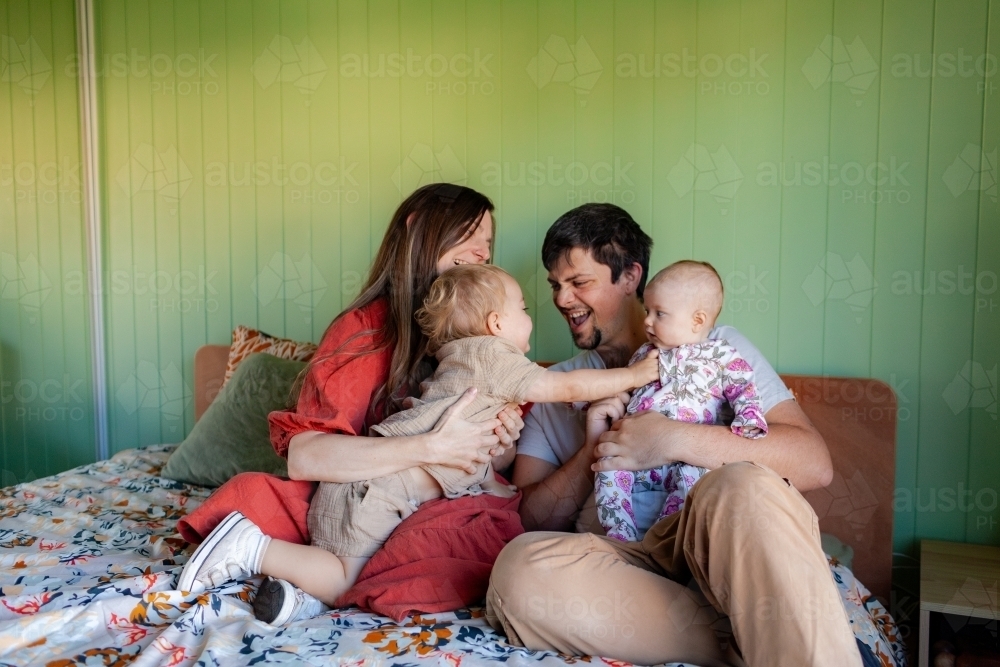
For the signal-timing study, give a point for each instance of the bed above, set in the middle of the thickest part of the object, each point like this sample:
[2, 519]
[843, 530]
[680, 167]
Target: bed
[89, 557]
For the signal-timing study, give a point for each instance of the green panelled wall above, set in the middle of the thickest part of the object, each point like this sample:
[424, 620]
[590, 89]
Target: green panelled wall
[46, 400]
[836, 161]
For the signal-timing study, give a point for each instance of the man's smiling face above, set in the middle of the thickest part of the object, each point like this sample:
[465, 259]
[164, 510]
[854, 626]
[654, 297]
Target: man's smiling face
[595, 308]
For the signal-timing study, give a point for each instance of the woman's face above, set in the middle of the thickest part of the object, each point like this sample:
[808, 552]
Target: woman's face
[473, 250]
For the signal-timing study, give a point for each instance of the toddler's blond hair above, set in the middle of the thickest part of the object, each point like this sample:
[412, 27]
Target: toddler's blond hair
[459, 303]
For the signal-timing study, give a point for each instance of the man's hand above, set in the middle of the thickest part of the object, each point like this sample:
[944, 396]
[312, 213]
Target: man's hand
[639, 442]
[793, 447]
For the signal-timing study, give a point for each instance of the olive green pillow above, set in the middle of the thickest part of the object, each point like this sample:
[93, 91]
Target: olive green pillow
[232, 436]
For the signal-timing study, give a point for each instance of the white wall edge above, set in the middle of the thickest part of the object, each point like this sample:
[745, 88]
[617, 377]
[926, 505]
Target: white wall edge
[89, 144]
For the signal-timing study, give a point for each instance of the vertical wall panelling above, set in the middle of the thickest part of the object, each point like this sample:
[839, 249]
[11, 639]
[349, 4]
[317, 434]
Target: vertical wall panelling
[851, 204]
[46, 391]
[984, 452]
[946, 346]
[836, 160]
[90, 181]
[900, 227]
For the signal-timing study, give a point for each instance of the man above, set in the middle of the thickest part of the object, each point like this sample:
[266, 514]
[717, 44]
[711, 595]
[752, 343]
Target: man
[745, 536]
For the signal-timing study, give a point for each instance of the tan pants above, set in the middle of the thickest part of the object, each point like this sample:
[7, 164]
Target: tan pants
[749, 540]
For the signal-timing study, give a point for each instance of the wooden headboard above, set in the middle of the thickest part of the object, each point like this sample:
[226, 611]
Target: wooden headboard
[857, 418]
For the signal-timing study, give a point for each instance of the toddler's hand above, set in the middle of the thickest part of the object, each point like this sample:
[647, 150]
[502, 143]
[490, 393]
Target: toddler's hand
[647, 370]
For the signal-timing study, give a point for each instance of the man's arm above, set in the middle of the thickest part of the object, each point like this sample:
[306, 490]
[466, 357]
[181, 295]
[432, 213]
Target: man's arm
[793, 447]
[553, 496]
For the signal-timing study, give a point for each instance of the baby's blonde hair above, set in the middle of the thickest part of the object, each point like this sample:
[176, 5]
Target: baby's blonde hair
[459, 303]
[702, 284]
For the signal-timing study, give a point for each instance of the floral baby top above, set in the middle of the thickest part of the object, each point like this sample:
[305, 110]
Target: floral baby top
[696, 383]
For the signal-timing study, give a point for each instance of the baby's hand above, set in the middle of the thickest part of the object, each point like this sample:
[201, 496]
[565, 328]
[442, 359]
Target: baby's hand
[647, 370]
[603, 413]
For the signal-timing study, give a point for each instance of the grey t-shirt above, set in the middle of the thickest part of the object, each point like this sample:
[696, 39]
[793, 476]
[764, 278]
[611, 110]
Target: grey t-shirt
[554, 432]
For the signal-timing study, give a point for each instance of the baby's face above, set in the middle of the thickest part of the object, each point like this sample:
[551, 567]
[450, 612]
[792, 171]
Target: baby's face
[515, 323]
[670, 316]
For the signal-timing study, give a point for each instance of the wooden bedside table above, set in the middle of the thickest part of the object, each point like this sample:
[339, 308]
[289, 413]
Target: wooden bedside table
[956, 578]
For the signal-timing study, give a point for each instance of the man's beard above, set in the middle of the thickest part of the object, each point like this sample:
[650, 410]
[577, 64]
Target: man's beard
[615, 357]
[590, 342]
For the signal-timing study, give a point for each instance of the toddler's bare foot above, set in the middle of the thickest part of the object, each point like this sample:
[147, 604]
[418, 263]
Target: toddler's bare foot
[495, 488]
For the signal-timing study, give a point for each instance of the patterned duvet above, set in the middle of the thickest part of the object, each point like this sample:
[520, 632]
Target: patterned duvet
[88, 560]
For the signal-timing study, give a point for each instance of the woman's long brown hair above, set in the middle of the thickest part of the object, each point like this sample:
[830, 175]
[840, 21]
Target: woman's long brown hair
[427, 224]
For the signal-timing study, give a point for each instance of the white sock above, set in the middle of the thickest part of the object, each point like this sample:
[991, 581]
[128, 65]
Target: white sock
[258, 558]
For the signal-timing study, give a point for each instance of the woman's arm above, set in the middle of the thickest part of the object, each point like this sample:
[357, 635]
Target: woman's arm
[334, 457]
[454, 442]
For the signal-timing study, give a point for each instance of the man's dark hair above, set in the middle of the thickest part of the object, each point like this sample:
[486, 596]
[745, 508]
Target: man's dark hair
[607, 231]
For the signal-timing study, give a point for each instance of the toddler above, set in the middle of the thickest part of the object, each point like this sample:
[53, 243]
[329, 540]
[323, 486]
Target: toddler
[697, 376]
[478, 329]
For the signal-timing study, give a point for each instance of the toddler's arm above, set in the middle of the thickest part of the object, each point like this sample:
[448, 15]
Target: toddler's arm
[592, 384]
[739, 389]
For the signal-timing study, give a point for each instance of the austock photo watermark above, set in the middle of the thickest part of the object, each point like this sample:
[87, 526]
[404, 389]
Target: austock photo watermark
[746, 290]
[287, 279]
[22, 279]
[295, 279]
[560, 62]
[25, 64]
[459, 74]
[62, 399]
[974, 387]
[582, 181]
[424, 165]
[716, 171]
[183, 74]
[185, 291]
[43, 183]
[980, 502]
[324, 182]
[297, 63]
[842, 60]
[159, 390]
[835, 279]
[166, 177]
[727, 74]
[875, 182]
[858, 399]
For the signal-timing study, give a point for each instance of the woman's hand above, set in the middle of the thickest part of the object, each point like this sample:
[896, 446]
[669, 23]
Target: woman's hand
[457, 443]
[510, 427]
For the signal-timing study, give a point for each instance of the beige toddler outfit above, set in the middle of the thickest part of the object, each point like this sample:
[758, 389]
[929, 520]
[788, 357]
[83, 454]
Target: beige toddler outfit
[355, 519]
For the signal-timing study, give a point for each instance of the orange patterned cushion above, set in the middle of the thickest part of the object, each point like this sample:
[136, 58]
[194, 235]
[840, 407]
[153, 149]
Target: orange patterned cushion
[247, 341]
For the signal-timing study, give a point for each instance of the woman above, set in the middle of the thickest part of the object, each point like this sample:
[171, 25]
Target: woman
[371, 358]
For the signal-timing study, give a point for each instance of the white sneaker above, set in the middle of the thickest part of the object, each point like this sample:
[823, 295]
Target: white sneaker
[278, 602]
[234, 550]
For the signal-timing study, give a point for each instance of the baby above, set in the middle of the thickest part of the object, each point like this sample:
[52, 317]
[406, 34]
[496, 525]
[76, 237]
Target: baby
[477, 326]
[697, 377]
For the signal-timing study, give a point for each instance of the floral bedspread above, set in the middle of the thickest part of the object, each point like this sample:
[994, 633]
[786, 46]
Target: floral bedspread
[89, 557]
